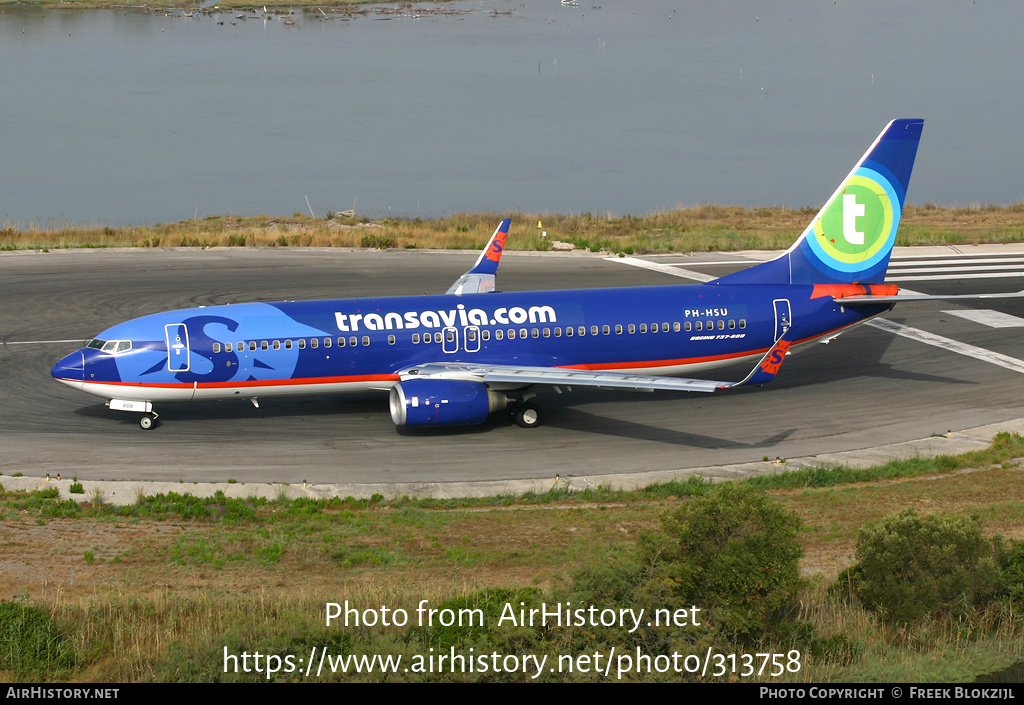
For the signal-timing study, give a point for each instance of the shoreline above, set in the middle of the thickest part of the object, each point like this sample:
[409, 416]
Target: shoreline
[705, 228]
[344, 8]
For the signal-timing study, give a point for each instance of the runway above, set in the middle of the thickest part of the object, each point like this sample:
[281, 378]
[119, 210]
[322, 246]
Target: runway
[869, 387]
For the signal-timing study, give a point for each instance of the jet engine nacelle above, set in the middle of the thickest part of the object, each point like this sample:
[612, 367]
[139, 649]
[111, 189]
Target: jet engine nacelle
[443, 402]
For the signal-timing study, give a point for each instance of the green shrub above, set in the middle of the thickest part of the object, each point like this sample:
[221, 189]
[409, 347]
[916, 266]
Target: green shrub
[1011, 568]
[378, 241]
[733, 553]
[911, 566]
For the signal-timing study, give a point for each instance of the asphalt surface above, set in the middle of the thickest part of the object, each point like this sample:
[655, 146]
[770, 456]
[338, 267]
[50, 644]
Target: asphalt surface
[867, 388]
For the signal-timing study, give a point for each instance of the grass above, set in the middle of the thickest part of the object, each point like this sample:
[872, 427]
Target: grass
[157, 590]
[699, 229]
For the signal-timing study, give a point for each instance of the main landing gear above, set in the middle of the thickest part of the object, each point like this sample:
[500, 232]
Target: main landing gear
[147, 421]
[523, 411]
[526, 415]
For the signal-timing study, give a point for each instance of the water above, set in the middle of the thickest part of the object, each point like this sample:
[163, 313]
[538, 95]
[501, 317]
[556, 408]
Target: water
[121, 116]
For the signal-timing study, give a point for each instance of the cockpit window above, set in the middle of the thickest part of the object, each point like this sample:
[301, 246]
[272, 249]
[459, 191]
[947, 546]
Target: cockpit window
[96, 344]
[113, 346]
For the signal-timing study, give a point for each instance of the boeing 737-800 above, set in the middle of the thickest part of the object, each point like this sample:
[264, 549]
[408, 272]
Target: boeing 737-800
[455, 358]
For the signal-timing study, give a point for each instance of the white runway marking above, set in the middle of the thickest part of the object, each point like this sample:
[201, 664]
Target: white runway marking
[946, 277]
[919, 261]
[927, 270]
[990, 318]
[923, 336]
[663, 268]
[42, 342]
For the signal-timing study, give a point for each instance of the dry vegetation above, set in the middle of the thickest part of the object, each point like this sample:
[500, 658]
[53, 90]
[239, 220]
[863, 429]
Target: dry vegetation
[157, 590]
[703, 228]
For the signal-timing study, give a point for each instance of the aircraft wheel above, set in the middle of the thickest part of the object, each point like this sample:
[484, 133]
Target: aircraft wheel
[147, 422]
[527, 416]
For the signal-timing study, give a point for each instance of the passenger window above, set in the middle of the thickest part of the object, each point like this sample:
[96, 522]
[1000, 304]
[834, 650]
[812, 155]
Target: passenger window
[302, 343]
[216, 347]
[277, 345]
[547, 332]
[287, 345]
[366, 340]
[732, 324]
[354, 341]
[632, 328]
[582, 330]
[568, 331]
[664, 327]
[252, 344]
[449, 336]
[327, 342]
[558, 332]
[470, 334]
[536, 333]
[437, 337]
[415, 338]
[264, 345]
[485, 334]
[700, 325]
[721, 325]
[499, 334]
[522, 333]
[675, 326]
[618, 329]
[643, 327]
[687, 326]
[606, 330]
[743, 323]
[314, 343]
[341, 341]
[391, 340]
[593, 330]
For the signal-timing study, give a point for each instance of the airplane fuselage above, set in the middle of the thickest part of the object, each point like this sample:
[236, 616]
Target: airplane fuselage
[305, 347]
[454, 359]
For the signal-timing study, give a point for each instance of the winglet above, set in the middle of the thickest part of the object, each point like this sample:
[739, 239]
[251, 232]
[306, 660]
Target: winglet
[480, 279]
[765, 370]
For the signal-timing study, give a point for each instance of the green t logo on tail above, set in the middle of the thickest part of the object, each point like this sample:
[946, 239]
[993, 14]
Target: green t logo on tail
[857, 224]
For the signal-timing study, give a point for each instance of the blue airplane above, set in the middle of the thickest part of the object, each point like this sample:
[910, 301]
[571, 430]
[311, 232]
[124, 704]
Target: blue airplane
[456, 358]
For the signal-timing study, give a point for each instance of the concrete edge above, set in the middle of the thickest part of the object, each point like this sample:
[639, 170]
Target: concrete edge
[124, 492]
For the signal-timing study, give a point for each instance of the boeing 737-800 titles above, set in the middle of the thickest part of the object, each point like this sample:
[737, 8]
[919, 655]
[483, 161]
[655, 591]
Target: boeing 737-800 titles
[455, 358]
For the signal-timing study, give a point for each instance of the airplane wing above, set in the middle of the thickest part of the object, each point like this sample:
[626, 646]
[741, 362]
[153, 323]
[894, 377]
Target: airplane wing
[480, 278]
[762, 373]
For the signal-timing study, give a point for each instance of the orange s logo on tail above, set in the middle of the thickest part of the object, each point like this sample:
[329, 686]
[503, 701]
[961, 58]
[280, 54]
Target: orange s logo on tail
[497, 247]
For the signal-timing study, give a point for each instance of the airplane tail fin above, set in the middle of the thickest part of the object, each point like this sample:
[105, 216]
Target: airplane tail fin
[851, 238]
[481, 277]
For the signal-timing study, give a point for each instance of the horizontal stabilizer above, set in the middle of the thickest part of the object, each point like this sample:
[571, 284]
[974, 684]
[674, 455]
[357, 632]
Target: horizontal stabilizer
[868, 300]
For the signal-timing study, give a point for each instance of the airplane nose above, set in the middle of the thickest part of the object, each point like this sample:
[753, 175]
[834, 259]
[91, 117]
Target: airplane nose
[70, 370]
